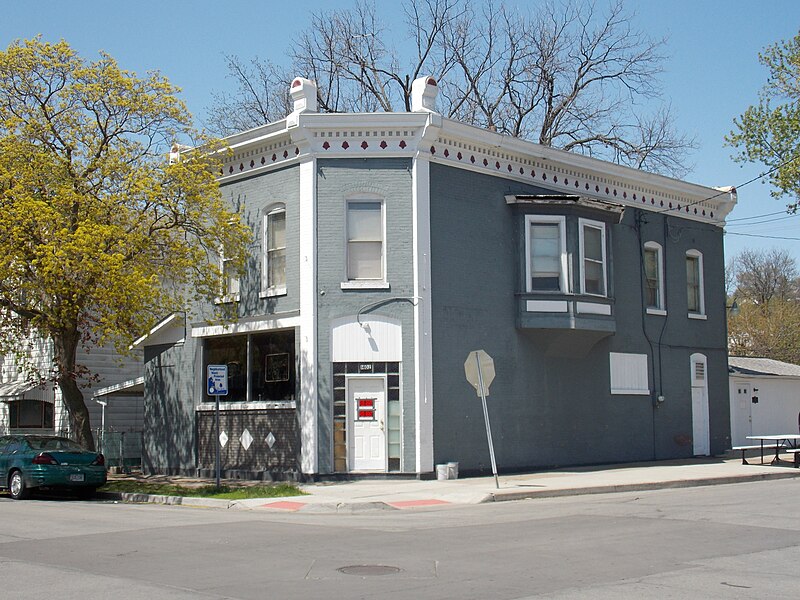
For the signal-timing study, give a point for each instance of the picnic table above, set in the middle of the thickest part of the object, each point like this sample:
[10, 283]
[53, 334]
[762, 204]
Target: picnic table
[780, 441]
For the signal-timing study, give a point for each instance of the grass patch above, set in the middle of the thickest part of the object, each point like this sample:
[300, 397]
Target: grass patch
[224, 492]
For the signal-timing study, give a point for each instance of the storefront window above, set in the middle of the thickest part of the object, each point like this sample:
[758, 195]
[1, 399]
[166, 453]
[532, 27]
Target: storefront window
[271, 360]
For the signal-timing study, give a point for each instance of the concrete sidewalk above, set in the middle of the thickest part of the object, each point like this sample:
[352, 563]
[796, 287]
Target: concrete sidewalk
[394, 494]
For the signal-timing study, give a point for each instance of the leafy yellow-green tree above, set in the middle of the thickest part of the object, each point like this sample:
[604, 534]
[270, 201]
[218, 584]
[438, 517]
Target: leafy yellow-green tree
[100, 233]
[769, 133]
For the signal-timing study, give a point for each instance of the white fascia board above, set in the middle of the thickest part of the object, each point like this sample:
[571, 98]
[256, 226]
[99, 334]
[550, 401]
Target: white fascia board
[362, 120]
[245, 326]
[256, 135]
[159, 328]
[593, 166]
[133, 386]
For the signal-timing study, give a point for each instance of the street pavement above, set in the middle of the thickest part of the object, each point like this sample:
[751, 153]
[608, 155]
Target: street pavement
[407, 494]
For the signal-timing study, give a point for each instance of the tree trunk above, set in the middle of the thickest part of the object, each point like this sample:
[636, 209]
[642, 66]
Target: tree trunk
[78, 413]
[66, 347]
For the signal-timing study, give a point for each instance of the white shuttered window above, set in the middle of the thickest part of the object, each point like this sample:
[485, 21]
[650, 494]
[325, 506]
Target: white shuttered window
[629, 373]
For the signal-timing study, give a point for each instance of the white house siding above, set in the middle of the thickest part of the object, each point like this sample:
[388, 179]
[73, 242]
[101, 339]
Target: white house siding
[775, 412]
[122, 414]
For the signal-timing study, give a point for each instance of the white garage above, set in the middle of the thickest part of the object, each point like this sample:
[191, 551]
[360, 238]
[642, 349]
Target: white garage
[764, 396]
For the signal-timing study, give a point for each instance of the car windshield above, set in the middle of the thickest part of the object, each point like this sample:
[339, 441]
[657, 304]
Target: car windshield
[54, 443]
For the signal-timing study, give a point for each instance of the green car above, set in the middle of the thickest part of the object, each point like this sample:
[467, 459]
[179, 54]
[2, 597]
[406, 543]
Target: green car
[42, 461]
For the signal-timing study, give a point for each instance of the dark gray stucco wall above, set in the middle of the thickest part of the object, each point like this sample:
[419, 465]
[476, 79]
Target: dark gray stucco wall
[172, 372]
[558, 410]
[390, 180]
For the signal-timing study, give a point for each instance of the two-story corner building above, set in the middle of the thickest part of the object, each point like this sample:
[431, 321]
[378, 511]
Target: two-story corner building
[390, 245]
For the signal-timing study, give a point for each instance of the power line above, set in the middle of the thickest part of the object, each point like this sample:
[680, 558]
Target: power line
[736, 187]
[780, 212]
[769, 237]
[762, 222]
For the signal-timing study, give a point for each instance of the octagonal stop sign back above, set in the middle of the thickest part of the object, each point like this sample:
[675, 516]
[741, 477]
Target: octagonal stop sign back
[476, 358]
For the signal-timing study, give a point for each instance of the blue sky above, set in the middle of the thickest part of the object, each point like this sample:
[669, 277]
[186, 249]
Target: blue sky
[711, 75]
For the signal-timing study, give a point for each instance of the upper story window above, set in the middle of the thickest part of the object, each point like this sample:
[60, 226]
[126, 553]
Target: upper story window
[273, 276]
[654, 278]
[593, 257]
[365, 252]
[694, 284]
[545, 249]
[230, 280]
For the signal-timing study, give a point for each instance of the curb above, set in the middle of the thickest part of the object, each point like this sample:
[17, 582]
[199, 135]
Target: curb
[379, 505]
[631, 487]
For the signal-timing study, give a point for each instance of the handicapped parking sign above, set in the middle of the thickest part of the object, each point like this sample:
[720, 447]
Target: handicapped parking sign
[217, 380]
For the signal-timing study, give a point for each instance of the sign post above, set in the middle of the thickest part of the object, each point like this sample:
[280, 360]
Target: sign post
[479, 369]
[217, 385]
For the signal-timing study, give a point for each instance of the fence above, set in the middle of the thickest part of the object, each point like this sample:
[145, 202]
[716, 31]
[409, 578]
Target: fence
[122, 449]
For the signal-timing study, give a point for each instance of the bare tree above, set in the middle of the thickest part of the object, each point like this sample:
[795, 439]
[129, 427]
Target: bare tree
[564, 76]
[261, 96]
[763, 276]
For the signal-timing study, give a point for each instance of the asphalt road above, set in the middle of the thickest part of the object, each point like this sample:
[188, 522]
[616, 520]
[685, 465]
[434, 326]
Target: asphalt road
[726, 541]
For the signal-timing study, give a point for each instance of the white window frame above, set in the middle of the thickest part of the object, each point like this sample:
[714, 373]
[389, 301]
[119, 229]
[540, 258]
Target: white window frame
[661, 307]
[701, 313]
[582, 223]
[364, 283]
[230, 286]
[561, 221]
[629, 373]
[266, 289]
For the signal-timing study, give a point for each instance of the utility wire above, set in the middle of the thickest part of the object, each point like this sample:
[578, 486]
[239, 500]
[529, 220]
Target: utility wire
[723, 192]
[772, 214]
[769, 237]
[762, 222]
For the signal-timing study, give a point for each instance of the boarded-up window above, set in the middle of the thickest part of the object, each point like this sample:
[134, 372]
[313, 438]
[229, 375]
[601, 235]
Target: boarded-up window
[628, 373]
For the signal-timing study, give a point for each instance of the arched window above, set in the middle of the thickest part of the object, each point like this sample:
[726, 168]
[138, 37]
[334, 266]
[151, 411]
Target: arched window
[694, 285]
[654, 278]
[273, 261]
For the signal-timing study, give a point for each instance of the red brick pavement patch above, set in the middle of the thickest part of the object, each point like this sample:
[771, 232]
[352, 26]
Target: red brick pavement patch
[284, 505]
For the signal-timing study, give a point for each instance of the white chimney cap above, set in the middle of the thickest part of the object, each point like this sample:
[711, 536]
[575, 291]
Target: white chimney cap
[423, 94]
[304, 95]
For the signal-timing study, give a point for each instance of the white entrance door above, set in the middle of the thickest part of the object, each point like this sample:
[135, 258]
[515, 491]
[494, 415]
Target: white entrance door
[742, 415]
[367, 417]
[700, 425]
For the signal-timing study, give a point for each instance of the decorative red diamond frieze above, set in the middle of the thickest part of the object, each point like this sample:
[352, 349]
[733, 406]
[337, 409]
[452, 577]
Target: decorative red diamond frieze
[241, 167]
[364, 145]
[274, 157]
[345, 145]
[402, 144]
[325, 145]
[446, 153]
[252, 164]
[383, 144]
[458, 156]
[263, 160]
[285, 154]
[433, 150]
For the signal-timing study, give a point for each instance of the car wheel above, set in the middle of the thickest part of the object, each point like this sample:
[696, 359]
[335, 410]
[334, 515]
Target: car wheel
[16, 485]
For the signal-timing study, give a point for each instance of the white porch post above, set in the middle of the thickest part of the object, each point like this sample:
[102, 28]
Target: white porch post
[309, 461]
[423, 361]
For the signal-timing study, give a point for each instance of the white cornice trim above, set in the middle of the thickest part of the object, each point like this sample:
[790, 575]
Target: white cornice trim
[444, 141]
